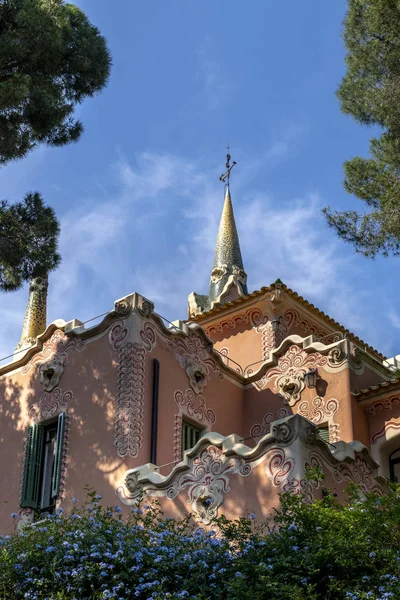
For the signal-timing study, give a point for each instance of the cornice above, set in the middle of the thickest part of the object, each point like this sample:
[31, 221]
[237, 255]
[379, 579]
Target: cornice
[225, 309]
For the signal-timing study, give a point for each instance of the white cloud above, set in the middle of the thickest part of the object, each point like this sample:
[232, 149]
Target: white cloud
[155, 234]
[217, 86]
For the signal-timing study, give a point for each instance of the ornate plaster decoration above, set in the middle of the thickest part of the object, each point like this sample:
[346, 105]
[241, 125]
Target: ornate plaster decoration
[50, 373]
[208, 481]
[386, 404]
[205, 471]
[218, 273]
[252, 316]
[56, 348]
[293, 319]
[359, 472]
[50, 404]
[279, 469]
[192, 348]
[197, 374]
[195, 405]
[393, 424]
[177, 438]
[128, 427]
[336, 356]
[322, 410]
[288, 376]
[260, 429]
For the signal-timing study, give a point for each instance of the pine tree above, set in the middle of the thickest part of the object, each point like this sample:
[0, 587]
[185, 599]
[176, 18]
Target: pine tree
[51, 58]
[370, 92]
[29, 233]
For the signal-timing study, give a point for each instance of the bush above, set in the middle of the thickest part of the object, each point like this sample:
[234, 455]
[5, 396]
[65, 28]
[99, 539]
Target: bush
[302, 552]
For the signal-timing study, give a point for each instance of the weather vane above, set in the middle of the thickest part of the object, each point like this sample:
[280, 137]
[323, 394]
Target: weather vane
[225, 177]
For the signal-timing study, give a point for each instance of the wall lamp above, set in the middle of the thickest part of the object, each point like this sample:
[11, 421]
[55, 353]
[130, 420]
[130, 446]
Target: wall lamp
[311, 378]
[275, 324]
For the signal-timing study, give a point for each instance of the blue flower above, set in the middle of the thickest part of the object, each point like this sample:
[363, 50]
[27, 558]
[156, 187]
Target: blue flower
[118, 509]
[372, 554]
[252, 516]
[14, 515]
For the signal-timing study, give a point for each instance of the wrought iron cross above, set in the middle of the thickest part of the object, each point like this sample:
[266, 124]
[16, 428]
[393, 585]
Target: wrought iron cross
[225, 177]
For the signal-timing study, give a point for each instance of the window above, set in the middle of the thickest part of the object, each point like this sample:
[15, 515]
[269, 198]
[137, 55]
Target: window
[42, 468]
[190, 435]
[394, 466]
[323, 433]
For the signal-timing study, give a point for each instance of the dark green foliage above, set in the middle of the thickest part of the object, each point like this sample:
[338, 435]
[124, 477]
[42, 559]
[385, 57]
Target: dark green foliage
[29, 234]
[370, 92]
[318, 551]
[51, 58]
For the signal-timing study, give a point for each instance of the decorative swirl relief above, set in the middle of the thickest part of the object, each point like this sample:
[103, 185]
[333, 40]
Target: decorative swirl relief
[386, 404]
[128, 426]
[260, 429]
[288, 376]
[50, 405]
[252, 316]
[208, 481]
[57, 348]
[322, 410]
[195, 405]
[358, 472]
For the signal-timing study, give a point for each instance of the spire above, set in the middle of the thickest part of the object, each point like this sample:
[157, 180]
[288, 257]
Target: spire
[228, 278]
[228, 261]
[35, 315]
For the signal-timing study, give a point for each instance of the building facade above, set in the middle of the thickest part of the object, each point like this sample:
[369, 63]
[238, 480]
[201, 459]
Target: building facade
[220, 413]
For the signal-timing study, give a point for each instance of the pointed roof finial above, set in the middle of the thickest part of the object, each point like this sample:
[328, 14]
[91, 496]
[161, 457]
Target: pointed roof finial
[226, 176]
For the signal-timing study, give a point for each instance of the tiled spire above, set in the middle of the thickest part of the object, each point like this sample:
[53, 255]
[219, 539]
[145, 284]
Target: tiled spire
[35, 315]
[228, 257]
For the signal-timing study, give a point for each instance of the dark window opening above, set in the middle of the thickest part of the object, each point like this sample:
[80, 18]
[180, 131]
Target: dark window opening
[323, 433]
[394, 466]
[190, 436]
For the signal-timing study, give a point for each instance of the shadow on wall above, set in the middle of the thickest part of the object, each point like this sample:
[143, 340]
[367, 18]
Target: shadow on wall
[91, 457]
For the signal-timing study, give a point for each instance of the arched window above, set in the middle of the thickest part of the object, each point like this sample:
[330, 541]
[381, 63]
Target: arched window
[394, 465]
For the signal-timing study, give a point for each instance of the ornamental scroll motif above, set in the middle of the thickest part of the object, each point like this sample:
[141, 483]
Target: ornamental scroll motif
[50, 405]
[322, 410]
[195, 405]
[386, 404]
[56, 348]
[252, 316]
[288, 376]
[128, 427]
[359, 473]
[208, 481]
[260, 429]
[279, 469]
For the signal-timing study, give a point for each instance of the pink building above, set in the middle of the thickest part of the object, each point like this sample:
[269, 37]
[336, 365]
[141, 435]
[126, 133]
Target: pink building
[219, 413]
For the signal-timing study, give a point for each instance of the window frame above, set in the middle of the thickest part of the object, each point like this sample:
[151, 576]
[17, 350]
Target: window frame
[195, 427]
[34, 482]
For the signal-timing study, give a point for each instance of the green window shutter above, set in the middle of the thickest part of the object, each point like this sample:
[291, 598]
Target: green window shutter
[32, 467]
[55, 488]
[323, 433]
[191, 436]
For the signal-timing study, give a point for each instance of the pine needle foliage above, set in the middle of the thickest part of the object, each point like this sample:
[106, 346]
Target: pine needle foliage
[51, 59]
[370, 92]
[29, 233]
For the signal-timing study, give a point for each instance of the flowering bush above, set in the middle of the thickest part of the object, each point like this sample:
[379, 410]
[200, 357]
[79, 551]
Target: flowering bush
[302, 552]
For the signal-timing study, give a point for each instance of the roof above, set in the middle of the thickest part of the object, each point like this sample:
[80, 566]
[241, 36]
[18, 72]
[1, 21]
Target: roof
[379, 387]
[279, 285]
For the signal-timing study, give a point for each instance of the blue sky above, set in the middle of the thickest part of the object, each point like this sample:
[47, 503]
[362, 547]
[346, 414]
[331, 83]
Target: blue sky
[139, 198]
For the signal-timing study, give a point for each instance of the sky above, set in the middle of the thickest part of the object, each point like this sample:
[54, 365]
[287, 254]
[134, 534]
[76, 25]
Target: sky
[139, 197]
